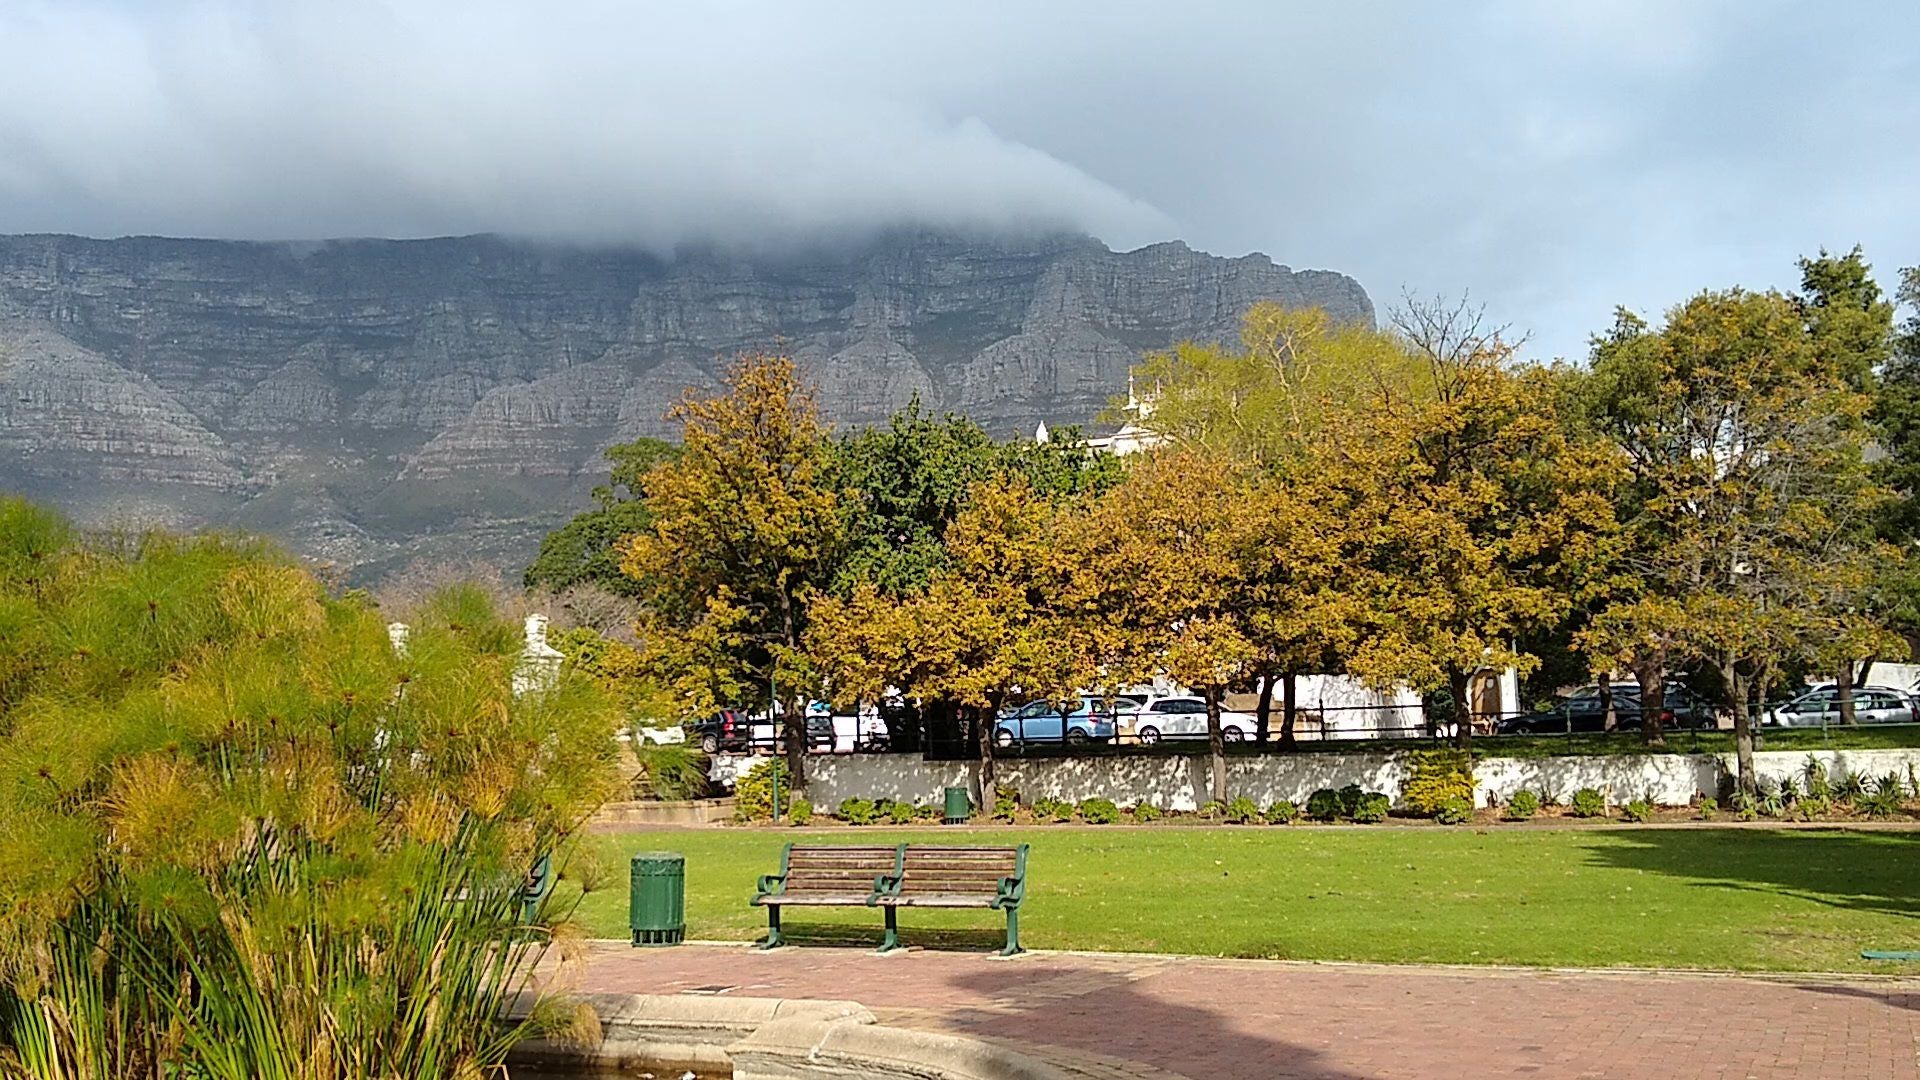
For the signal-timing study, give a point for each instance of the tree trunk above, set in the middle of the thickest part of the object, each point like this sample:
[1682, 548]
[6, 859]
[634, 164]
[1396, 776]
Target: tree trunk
[1743, 734]
[1865, 674]
[1263, 716]
[794, 727]
[1462, 711]
[989, 777]
[1217, 744]
[1652, 676]
[1607, 720]
[1290, 708]
[1843, 692]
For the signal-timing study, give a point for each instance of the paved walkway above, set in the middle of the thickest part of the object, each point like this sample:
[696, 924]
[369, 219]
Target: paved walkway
[1175, 1017]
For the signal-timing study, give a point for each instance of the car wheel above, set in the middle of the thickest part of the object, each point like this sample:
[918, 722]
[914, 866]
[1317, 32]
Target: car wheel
[1076, 737]
[1149, 735]
[709, 744]
[1233, 734]
[1002, 737]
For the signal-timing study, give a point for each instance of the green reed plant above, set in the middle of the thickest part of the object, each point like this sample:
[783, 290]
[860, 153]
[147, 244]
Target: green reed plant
[241, 835]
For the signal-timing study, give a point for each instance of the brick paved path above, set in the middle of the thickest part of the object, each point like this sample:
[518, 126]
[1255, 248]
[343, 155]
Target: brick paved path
[1205, 1019]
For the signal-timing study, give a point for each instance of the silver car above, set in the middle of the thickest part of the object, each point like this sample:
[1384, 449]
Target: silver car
[1820, 707]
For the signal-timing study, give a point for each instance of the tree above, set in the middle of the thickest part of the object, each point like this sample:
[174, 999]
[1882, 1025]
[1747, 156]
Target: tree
[1850, 325]
[745, 531]
[1162, 567]
[993, 621]
[1268, 404]
[1748, 479]
[586, 550]
[1482, 520]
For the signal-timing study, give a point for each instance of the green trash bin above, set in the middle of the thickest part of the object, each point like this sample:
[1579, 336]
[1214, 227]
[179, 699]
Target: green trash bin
[657, 905]
[959, 807]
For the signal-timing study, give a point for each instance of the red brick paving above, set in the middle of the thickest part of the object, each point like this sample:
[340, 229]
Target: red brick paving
[1255, 1020]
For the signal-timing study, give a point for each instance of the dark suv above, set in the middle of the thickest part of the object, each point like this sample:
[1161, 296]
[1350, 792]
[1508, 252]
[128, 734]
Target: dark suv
[728, 729]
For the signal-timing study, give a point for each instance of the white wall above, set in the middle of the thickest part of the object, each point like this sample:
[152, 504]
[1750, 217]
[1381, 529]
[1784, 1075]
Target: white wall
[1181, 782]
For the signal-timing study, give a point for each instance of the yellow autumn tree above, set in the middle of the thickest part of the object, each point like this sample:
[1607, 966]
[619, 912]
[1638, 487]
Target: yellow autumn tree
[744, 531]
[993, 624]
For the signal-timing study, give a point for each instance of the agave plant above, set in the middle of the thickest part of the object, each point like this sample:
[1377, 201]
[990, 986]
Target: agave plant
[241, 835]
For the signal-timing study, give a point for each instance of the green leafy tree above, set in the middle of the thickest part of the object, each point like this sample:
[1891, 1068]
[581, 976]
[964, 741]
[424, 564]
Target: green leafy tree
[746, 529]
[586, 550]
[1748, 484]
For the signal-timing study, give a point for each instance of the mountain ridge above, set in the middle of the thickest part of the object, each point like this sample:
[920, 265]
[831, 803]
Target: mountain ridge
[371, 401]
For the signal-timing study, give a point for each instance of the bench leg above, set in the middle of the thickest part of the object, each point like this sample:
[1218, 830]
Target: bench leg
[892, 940]
[774, 940]
[1013, 933]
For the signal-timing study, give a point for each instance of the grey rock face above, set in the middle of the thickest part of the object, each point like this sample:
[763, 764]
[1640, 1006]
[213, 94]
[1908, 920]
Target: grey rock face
[376, 400]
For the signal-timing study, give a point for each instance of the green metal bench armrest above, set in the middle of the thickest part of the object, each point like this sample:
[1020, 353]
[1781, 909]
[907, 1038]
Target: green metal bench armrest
[769, 885]
[1012, 891]
[885, 885]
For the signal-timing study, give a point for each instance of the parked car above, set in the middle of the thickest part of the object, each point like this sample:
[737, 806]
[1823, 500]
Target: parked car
[1820, 706]
[1585, 710]
[1185, 717]
[727, 729]
[1088, 720]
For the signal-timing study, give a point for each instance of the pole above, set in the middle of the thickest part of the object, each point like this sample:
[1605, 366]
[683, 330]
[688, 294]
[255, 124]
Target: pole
[773, 722]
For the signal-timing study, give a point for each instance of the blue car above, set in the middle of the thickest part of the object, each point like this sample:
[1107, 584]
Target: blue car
[1088, 720]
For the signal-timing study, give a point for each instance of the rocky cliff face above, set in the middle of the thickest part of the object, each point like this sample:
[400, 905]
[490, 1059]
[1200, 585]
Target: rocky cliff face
[376, 400]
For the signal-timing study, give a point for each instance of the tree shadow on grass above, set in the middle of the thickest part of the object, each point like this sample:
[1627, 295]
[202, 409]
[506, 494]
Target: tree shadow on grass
[1868, 871]
[1104, 1012]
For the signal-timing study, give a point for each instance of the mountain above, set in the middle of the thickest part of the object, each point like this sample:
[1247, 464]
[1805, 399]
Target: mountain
[375, 401]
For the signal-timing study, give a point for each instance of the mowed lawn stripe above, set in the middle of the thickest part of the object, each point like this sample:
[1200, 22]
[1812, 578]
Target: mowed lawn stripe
[1753, 899]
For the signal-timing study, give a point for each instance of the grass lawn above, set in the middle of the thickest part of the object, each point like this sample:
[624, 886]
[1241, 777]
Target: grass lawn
[1747, 898]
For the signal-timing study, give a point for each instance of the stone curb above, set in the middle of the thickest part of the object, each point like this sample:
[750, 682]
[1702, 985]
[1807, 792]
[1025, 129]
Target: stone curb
[797, 1049]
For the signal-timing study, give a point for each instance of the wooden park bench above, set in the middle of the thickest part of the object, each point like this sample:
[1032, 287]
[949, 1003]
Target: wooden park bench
[910, 875]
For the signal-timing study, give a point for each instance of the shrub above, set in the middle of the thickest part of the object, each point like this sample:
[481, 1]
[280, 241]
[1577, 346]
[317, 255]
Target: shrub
[1815, 775]
[669, 771]
[800, 812]
[1850, 788]
[1639, 810]
[1242, 811]
[1891, 784]
[1145, 812]
[1771, 804]
[901, 813]
[1350, 799]
[1814, 806]
[1589, 803]
[1053, 810]
[1438, 776]
[1282, 812]
[1788, 790]
[1372, 807]
[1882, 803]
[1547, 798]
[857, 811]
[753, 791]
[1745, 806]
[1523, 805]
[1006, 802]
[1324, 805]
[927, 812]
[1709, 806]
[1099, 811]
[1454, 810]
[1213, 810]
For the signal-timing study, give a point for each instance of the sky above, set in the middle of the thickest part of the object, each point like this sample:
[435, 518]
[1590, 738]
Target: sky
[1549, 159]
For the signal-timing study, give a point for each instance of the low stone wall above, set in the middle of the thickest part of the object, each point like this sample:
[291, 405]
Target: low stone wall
[1182, 782]
[772, 1039]
[644, 813]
